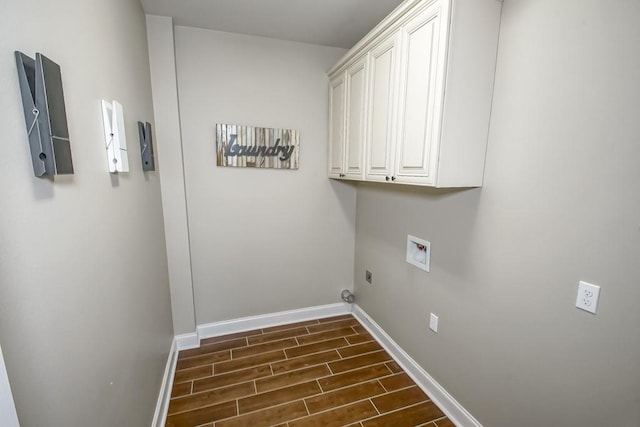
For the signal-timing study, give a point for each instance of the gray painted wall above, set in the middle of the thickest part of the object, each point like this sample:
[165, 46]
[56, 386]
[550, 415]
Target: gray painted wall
[85, 320]
[560, 203]
[262, 241]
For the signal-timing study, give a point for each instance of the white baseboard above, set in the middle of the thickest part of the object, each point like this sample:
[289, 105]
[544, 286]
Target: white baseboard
[187, 341]
[273, 319]
[160, 415]
[456, 413]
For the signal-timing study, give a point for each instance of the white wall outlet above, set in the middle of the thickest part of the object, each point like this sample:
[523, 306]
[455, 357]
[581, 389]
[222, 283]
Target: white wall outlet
[418, 252]
[433, 323]
[588, 295]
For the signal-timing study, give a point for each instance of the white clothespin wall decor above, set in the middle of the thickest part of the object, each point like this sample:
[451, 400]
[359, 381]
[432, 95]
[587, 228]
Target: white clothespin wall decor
[115, 140]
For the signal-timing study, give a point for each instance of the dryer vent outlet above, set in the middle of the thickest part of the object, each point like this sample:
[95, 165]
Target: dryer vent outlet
[347, 296]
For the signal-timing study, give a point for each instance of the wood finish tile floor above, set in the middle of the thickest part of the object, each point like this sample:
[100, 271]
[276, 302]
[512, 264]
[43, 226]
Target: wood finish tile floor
[326, 372]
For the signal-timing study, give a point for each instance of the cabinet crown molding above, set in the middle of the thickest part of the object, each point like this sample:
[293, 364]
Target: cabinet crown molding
[388, 24]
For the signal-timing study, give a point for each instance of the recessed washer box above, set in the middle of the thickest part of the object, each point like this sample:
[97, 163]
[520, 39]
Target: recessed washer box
[418, 252]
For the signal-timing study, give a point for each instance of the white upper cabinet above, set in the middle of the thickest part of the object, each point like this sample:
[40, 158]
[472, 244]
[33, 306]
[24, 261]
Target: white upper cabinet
[356, 80]
[336, 126]
[348, 99]
[420, 98]
[381, 124]
[423, 113]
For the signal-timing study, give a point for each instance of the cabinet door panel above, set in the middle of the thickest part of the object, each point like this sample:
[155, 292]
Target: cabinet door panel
[381, 133]
[336, 131]
[419, 132]
[356, 101]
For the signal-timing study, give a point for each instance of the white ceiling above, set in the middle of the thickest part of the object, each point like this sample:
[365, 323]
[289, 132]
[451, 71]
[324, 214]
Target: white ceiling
[338, 23]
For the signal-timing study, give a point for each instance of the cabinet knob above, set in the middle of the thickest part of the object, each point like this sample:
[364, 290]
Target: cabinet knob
[393, 178]
[387, 178]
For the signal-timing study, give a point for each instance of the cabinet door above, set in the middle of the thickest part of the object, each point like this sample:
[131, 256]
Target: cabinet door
[356, 85]
[336, 126]
[382, 109]
[420, 98]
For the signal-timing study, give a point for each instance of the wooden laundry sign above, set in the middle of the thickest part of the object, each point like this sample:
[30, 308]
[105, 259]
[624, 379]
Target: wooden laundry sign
[255, 147]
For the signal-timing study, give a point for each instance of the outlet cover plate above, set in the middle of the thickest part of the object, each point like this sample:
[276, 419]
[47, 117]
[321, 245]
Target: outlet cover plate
[588, 296]
[433, 323]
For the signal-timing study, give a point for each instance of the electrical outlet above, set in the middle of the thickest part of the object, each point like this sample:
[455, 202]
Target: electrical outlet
[588, 295]
[368, 276]
[433, 323]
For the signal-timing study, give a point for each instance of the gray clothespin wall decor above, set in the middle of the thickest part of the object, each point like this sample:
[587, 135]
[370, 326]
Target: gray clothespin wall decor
[146, 146]
[45, 114]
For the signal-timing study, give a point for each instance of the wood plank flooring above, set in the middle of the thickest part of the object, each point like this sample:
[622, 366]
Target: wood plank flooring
[326, 372]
